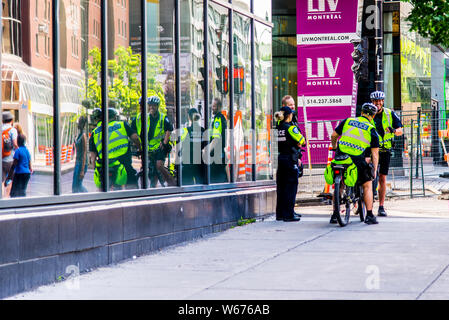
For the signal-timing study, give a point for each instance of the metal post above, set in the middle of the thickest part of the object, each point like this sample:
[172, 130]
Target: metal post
[231, 94]
[411, 159]
[379, 76]
[177, 77]
[104, 95]
[422, 171]
[206, 80]
[253, 103]
[418, 141]
[56, 110]
[143, 105]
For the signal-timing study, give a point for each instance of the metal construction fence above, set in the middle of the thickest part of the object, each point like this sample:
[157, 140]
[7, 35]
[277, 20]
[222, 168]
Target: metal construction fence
[419, 158]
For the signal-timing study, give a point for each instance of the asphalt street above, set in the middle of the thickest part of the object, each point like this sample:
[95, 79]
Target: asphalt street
[405, 256]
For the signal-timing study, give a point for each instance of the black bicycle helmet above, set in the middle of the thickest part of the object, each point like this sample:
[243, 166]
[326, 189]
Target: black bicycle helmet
[96, 115]
[112, 114]
[369, 108]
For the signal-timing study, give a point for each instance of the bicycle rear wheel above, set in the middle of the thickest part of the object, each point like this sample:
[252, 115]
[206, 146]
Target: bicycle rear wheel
[342, 203]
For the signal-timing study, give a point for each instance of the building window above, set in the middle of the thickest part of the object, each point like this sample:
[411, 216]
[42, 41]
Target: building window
[12, 27]
[37, 43]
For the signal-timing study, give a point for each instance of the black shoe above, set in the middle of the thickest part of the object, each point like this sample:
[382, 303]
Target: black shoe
[381, 212]
[333, 220]
[279, 218]
[371, 220]
[292, 219]
[297, 215]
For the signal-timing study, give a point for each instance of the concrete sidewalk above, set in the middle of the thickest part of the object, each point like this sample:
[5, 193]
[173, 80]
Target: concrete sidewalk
[405, 256]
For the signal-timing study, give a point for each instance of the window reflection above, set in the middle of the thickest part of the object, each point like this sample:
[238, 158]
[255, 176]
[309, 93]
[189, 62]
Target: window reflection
[27, 104]
[242, 133]
[218, 47]
[192, 134]
[160, 104]
[263, 101]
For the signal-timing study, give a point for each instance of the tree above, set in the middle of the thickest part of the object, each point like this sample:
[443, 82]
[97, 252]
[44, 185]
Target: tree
[125, 89]
[430, 18]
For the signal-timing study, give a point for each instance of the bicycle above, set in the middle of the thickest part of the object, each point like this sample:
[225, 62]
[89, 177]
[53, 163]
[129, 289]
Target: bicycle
[152, 172]
[346, 199]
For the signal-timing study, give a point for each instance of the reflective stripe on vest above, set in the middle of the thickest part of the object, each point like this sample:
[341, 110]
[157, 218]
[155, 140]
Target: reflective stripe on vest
[159, 133]
[387, 120]
[356, 136]
[118, 140]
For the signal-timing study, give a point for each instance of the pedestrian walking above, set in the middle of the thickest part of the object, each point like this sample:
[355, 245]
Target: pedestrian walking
[21, 169]
[290, 141]
[9, 144]
[81, 160]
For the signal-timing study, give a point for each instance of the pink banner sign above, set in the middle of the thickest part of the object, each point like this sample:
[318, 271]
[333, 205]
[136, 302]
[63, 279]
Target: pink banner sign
[327, 16]
[325, 70]
[327, 90]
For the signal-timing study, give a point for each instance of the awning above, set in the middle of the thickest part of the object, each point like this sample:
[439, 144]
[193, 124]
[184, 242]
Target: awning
[36, 86]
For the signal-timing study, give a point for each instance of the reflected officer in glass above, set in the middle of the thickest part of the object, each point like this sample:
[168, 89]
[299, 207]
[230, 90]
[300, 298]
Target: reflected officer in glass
[159, 129]
[216, 147]
[290, 141]
[121, 171]
[192, 144]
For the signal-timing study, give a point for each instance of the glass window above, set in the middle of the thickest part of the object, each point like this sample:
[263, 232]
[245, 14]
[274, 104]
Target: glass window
[242, 134]
[12, 27]
[263, 99]
[262, 8]
[192, 92]
[161, 94]
[80, 95]
[218, 48]
[27, 159]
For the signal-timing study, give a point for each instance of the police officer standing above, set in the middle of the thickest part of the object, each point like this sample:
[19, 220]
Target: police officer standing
[216, 147]
[388, 125]
[192, 144]
[288, 101]
[119, 154]
[290, 141]
[159, 130]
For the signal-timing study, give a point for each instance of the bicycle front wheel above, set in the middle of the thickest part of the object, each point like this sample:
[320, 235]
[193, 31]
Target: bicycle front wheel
[342, 204]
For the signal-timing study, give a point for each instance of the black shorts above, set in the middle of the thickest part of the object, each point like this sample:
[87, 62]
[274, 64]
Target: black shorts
[364, 170]
[158, 155]
[384, 162]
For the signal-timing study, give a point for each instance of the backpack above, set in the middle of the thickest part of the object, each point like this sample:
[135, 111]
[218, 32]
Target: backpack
[350, 176]
[7, 145]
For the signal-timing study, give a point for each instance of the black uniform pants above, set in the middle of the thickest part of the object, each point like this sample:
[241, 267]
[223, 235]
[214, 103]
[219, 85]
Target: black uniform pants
[286, 187]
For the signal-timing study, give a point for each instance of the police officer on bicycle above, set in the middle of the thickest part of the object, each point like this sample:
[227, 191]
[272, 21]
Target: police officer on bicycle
[290, 141]
[388, 125]
[159, 129]
[119, 154]
[359, 139]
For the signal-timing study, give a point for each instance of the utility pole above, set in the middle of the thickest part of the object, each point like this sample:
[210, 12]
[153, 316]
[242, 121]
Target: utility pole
[379, 76]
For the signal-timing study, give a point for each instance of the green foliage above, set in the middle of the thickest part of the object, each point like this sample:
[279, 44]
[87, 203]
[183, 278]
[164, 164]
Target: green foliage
[243, 222]
[125, 90]
[430, 18]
